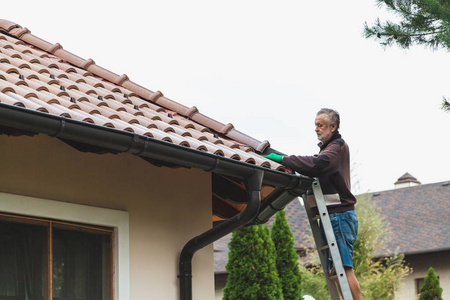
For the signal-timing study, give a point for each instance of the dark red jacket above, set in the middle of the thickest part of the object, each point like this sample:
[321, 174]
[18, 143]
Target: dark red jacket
[332, 167]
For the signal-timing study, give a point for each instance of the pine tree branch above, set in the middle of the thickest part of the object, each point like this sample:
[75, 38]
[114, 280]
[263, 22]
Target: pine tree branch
[445, 105]
[379, 34]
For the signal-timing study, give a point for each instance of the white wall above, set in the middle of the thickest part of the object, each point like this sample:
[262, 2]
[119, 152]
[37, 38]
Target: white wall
[420, 265]
[166, 206]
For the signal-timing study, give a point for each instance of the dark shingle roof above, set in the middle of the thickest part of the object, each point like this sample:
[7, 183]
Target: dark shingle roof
[419, 217]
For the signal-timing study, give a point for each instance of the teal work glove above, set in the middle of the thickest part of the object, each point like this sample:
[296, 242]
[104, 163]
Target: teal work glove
[275, 157]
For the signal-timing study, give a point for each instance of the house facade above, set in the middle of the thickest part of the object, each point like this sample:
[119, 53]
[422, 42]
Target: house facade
[152, 211]
[112, 191]
[418, 217]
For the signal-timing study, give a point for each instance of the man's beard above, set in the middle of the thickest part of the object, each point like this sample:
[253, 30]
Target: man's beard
[324, 137]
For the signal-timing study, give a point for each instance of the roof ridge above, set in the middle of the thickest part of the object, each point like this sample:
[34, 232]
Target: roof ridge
[422, 185]
[157, 97]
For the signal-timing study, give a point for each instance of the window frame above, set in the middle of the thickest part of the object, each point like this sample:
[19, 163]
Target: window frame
[51, 225]
[418, 282]
[86, 215]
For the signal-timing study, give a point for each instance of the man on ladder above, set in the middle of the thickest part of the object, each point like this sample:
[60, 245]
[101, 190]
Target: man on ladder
[332, 168]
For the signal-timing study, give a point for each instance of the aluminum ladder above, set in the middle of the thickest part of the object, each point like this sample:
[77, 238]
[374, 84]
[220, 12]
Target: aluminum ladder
[323, 245]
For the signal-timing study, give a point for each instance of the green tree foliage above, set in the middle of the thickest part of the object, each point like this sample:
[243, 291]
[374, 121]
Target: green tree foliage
[378, 278]
[445, 105]
[251, 265]
[286, 257]
[422, 22]
[430, 289]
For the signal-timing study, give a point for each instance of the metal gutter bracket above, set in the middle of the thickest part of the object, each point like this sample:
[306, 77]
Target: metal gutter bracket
[253, 188]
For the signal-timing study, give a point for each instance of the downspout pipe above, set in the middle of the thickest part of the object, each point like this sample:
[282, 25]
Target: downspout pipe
[253, 188]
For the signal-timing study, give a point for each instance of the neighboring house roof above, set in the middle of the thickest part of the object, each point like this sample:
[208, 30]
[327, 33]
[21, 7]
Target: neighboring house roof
[418, 218]
[45, 79]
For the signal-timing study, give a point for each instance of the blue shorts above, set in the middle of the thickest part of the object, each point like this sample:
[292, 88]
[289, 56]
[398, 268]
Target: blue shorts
[345, 227]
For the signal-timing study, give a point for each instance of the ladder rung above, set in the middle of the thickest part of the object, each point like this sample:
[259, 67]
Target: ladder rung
[333, 277]
[324, 248]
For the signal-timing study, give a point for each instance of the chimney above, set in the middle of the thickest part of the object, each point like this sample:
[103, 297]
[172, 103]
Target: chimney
[406, 180]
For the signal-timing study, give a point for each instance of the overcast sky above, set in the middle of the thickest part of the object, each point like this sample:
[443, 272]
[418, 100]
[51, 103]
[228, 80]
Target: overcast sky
[267, 67]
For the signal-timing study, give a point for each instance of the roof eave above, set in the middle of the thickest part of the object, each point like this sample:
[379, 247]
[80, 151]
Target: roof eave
[124, 141]
[417, 252]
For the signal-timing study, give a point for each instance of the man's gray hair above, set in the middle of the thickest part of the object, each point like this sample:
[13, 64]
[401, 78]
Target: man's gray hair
[332, 116]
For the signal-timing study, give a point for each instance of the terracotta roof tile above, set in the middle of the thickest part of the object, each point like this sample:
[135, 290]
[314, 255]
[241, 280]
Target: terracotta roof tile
[42, 76]
[45, 82]
[45, 77]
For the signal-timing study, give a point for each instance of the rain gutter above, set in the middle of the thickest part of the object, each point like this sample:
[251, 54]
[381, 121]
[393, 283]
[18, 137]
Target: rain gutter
[280, 197]
[130, 142]
[288, 186]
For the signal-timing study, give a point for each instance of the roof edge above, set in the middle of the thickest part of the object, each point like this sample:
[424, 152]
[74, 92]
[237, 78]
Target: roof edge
[414, 252]
[378, 193]
[8, 25]
[124, 141]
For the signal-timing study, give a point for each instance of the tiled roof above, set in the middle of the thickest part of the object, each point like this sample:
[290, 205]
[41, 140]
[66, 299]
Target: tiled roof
[419, 217]
[41, 76]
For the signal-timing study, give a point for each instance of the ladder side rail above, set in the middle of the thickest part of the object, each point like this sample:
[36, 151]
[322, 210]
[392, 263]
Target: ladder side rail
[314, 224]
[331, 239]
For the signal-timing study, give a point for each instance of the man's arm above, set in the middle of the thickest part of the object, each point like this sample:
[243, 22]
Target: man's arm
[317, 165]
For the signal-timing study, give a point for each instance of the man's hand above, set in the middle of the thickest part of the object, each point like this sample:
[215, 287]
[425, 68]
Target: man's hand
[275, 157]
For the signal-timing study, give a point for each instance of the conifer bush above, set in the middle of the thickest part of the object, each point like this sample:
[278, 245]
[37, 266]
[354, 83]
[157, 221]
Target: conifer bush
[286, 257]
[251, 266]
[430, 289]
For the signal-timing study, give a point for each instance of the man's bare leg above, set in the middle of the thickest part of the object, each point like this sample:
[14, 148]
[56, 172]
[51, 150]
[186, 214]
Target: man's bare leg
[352, 282]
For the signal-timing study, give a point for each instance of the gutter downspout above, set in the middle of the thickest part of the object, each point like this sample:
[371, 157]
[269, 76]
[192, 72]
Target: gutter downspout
[253, 187]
